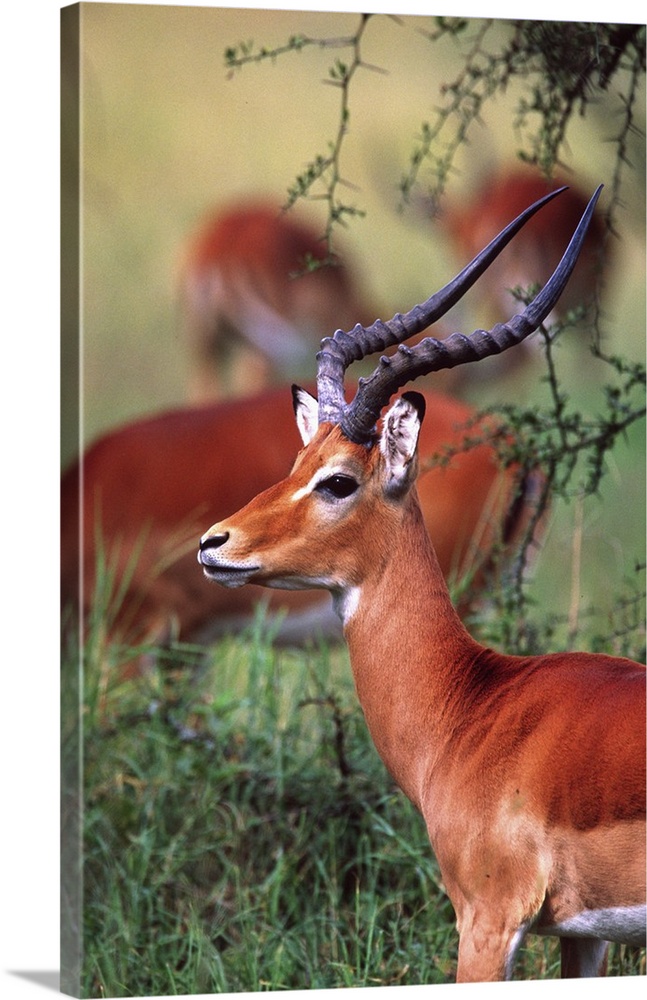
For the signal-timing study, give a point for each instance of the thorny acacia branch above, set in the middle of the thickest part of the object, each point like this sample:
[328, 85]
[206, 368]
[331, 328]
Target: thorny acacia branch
[565, 450]
[565, 68]
[322, 177]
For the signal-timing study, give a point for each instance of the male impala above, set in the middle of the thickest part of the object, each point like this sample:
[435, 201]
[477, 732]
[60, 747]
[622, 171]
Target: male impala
[529, 771]
[252, 312]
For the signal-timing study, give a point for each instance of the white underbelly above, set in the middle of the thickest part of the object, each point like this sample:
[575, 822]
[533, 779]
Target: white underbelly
[622, 924]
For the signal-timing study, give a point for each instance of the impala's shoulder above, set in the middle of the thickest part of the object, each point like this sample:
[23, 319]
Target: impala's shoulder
[592, 666]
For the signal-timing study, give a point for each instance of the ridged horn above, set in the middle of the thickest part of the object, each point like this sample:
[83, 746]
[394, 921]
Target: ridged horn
[358, 418]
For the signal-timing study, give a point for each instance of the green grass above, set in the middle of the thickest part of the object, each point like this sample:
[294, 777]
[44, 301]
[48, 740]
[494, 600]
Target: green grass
[241, 834]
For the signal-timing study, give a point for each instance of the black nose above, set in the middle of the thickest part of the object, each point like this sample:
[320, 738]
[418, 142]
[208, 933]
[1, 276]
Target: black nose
[213, 541]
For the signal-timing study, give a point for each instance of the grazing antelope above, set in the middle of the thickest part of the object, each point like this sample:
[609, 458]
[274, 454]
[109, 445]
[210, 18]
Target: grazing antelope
[473, 222]
[140, 494]
[252, 312]
[470, 223]
[529, 770]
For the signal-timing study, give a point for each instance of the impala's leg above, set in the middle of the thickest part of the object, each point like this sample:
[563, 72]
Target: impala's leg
[487, 950]
[583, 958]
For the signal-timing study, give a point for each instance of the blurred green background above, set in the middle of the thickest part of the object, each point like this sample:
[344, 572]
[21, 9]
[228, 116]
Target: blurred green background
[167, 134]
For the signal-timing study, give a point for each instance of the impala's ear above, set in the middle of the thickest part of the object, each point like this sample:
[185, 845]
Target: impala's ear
[399, 441]
[306, 410]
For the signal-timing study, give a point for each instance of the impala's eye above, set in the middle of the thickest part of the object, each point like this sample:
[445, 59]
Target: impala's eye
[337, 486]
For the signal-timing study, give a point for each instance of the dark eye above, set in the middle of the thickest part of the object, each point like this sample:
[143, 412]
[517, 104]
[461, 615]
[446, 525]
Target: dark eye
[337, 486]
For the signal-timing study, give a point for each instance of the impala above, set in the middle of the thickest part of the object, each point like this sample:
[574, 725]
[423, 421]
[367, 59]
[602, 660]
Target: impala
[140, 494]
[252, 311]
[503, 195]
[470, 223]
[529, 771]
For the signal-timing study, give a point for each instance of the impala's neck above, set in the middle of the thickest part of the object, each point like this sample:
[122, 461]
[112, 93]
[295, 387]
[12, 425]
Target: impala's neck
[407, 647]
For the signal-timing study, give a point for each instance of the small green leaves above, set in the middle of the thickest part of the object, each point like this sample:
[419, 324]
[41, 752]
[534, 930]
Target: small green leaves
[562, 68]
[236, 56]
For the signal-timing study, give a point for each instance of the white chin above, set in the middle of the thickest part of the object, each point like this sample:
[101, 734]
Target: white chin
[230, 580]
[298, 583]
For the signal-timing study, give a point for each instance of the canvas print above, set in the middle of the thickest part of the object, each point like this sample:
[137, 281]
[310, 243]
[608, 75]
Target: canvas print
[352, 500]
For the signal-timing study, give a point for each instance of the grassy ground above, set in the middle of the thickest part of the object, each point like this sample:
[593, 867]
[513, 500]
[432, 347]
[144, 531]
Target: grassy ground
[241, 834]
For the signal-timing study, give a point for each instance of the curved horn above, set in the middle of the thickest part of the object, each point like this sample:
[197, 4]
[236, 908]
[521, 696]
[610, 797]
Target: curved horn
[340, 350]
[358, 419]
